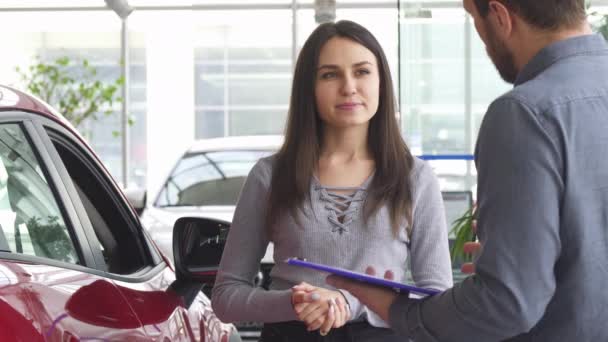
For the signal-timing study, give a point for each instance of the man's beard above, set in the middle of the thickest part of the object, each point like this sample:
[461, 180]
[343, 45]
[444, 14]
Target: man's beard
[501, 56]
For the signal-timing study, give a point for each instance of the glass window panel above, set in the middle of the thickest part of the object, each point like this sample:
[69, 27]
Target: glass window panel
[29, 214]
[236, 71]
[209, 88]
[276, 90]
[209, 123]
[55, 3]
[258, 122]
[210, 178]
[432, 82]
[91, 35]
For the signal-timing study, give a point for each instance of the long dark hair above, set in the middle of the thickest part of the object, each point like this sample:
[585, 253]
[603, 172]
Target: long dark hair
[298, 157]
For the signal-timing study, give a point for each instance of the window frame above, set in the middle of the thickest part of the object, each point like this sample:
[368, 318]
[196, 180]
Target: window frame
[26, 121]
[55, 133]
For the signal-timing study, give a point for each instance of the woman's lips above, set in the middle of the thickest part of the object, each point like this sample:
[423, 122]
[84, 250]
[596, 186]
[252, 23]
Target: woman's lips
[348, 106]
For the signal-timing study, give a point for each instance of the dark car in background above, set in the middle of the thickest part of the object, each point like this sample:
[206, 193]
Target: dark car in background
[75, 263]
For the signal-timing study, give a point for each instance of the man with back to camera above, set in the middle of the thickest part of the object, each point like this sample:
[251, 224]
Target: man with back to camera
[542, 190]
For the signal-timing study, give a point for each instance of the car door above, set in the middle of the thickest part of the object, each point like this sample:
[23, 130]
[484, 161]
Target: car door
[127, 254]
[45, 260]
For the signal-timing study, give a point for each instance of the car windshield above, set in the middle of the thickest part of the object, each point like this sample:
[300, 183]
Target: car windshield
[209, 178]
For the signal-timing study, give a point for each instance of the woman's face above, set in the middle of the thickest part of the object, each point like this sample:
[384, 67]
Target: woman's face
[347, 83]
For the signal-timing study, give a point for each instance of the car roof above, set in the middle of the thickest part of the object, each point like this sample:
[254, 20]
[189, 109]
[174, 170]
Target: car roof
[13, 99]
[253, 142]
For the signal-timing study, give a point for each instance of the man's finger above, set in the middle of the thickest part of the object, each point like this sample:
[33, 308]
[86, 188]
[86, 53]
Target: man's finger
[389, 275]
[370, 270]
[471, 247]
[467, 268]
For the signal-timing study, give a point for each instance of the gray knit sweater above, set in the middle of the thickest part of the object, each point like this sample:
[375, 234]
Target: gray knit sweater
[321, 237]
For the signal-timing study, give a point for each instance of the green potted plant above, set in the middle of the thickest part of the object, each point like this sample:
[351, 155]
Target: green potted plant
[462, 229]
[73, 87]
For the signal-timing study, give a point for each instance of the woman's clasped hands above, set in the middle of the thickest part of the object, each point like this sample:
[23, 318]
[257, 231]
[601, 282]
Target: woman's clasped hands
[319, 308]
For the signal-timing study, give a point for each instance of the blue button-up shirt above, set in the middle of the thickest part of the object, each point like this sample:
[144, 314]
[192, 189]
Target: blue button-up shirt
[542, 163]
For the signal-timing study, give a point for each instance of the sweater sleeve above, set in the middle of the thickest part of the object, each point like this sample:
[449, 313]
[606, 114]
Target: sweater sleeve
[235, 298]
[519, 189]
[429, 251]
[430, 262]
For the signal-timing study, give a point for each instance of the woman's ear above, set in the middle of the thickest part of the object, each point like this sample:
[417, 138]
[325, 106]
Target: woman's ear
[501, 18]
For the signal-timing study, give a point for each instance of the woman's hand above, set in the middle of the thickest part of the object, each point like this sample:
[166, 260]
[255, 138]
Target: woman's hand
[320, 308]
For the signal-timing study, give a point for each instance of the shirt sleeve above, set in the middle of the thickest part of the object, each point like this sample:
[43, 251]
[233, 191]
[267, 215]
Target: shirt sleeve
[519, 189]
[235, 298]
[430, 262]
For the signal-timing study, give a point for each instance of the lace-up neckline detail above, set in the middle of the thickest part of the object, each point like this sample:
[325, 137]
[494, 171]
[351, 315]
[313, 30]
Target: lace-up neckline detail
[341, 208]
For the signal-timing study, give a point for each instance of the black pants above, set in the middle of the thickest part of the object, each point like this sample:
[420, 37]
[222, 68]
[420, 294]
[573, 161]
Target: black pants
[294, 331]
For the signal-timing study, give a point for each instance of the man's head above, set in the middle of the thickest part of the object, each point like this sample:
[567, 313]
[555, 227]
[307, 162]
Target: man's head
[542, 14]
[511, 29]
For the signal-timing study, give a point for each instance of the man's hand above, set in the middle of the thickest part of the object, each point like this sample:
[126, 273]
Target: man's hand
[319, 308]
[470, 248]
[377, 299]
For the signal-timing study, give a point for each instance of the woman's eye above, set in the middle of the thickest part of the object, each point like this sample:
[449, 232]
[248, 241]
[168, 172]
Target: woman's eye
[327, 75]
[362, 72]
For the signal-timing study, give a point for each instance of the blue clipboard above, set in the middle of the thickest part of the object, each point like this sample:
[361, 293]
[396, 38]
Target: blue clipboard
[366, 278]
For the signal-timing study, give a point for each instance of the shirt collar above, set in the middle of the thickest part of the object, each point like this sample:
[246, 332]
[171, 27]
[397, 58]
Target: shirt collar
[550, 54]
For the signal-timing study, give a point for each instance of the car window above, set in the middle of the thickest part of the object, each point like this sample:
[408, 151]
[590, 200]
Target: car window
[118, 241]
[208, 178]
[29, 215]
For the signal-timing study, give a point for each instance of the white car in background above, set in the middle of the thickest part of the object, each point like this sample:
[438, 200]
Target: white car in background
[206, 182]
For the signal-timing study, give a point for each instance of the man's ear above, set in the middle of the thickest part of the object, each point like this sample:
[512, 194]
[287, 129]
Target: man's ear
[501, 18]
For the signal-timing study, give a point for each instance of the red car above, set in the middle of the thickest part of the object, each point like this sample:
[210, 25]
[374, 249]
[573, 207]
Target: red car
[75, 263]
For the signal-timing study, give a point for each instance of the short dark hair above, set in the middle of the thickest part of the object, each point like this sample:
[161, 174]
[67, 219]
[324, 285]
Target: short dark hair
[543, 14]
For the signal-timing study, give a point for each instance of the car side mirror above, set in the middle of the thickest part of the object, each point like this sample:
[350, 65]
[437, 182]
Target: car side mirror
[137, 198]
[198, 244]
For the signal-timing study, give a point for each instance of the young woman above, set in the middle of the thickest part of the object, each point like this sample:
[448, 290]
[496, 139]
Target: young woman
[343, 190]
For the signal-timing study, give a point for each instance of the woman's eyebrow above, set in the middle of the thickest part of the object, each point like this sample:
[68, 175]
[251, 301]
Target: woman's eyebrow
[333, 66]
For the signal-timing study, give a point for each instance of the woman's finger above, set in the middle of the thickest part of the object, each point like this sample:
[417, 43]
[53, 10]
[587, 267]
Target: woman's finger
[349, 314]
[340, 313]
[303, 286]
[315, 319]
[311, 308]
[330, 318]
[304, 297]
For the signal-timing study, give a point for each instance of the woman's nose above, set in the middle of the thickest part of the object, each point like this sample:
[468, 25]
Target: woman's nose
[349, 86]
